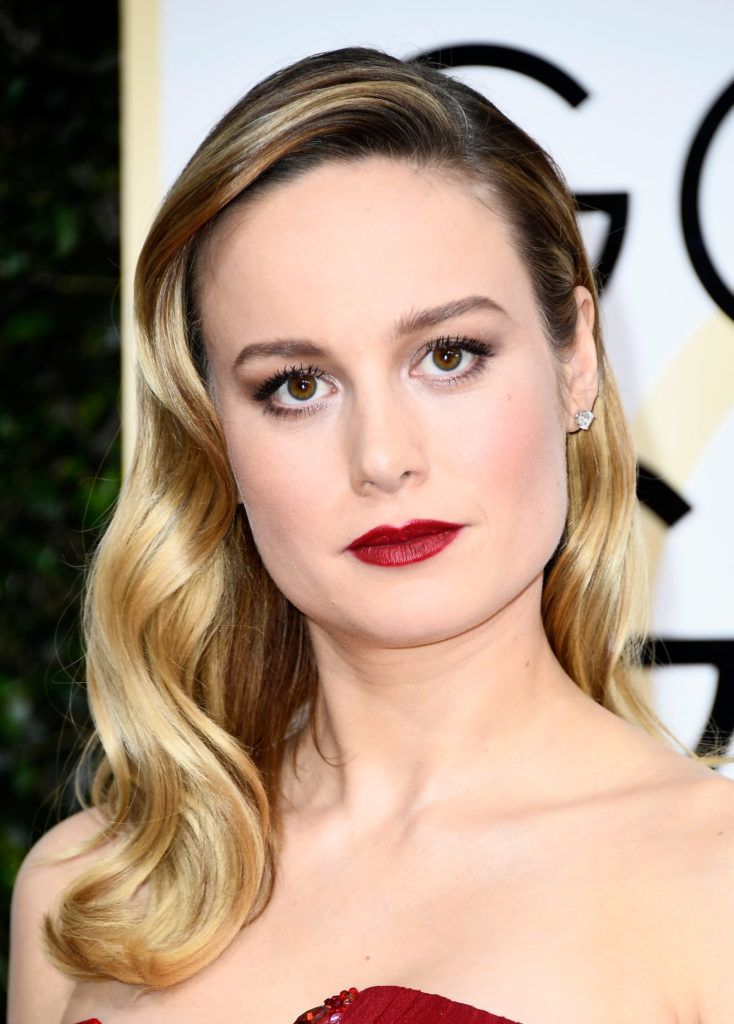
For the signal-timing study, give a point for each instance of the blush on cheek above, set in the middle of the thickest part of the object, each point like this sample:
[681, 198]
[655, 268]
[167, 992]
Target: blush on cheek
[524, 474]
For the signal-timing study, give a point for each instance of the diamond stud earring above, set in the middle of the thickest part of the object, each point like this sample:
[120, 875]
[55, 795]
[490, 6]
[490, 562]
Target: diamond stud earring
[584, 418]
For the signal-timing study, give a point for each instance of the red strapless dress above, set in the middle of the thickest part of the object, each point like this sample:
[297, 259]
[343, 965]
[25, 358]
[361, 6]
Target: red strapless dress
[389, 1004]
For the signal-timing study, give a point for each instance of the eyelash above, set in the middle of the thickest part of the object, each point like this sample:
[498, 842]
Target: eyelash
[267, 389]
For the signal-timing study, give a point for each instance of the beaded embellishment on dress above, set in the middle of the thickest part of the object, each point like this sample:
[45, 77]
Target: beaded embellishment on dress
[331, 1010]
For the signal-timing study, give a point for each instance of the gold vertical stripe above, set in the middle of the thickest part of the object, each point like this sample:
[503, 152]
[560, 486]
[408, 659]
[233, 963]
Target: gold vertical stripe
[140, 172]
[677, 420]
[688, 402]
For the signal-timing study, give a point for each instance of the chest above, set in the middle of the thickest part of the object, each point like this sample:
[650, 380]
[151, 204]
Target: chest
[539, 932]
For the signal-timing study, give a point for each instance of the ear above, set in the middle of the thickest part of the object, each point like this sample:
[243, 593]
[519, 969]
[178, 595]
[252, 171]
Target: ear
[580, 368]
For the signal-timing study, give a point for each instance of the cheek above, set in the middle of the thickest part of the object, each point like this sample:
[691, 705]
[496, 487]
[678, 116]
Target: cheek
[284, 496]
[513, 451]
[514, 441]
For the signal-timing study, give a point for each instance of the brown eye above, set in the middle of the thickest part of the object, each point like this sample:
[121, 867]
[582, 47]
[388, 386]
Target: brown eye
[447, 358]
[301, 386]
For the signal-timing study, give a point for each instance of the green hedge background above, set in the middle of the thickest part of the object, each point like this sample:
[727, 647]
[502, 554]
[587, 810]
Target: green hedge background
[59, 423]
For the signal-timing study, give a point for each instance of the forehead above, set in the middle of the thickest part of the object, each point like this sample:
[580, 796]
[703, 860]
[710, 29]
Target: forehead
[356, 240]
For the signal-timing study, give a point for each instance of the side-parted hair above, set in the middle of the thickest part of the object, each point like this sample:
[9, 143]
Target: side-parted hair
[200, 672]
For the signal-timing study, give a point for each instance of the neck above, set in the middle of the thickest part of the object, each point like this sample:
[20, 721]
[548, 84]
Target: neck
[411, 727]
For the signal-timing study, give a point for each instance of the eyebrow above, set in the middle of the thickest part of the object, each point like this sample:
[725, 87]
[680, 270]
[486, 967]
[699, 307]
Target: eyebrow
[408, 323]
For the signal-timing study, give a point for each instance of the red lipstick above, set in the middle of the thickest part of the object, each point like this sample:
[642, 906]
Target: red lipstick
[400, 545]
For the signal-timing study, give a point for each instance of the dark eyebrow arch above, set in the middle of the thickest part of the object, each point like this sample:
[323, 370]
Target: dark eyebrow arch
[409, 323]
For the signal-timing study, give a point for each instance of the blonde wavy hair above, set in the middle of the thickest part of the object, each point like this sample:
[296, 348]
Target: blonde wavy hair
[200, 672]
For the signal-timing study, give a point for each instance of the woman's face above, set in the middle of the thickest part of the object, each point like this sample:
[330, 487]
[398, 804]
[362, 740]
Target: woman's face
[378, 429]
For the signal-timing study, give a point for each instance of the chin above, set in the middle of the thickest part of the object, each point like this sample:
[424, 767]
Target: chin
[402, 624]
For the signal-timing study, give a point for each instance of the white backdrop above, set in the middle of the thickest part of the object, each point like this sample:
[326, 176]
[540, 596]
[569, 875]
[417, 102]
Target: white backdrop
[644, 125]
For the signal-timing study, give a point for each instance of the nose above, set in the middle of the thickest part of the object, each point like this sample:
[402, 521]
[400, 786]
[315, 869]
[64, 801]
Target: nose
[387, 441]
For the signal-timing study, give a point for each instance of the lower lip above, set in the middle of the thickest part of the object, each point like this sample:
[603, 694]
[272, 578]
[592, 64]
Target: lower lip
[415, 550]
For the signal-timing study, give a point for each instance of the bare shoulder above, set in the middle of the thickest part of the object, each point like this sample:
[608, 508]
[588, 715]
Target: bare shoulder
[709, 901]
[38, 991]
[681, 884]
[702, 808]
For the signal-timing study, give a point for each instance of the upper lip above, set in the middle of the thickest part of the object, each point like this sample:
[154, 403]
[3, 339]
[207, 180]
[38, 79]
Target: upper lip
[397, 534]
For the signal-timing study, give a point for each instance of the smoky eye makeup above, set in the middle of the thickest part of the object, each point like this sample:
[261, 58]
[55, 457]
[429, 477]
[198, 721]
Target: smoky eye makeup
[304, 377]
